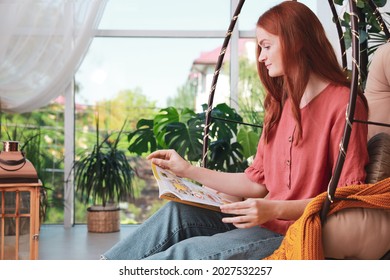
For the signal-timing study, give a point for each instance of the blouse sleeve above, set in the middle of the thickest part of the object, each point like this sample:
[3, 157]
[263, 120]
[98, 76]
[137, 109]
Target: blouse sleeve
[353, 171]
[255, 172]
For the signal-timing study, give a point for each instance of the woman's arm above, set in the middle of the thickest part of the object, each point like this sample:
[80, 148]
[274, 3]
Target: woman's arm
[235, 184]
[254, 212]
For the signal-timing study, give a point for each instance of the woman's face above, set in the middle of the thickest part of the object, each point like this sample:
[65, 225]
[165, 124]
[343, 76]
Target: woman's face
[270, 52]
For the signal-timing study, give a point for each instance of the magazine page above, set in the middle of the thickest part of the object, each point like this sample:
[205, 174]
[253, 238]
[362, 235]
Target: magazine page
[185, 189]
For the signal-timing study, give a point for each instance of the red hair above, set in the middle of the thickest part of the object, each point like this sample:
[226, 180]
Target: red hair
[305, 50]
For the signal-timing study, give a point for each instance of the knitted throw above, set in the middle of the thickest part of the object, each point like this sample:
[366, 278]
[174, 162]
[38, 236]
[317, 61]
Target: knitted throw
[303, 238]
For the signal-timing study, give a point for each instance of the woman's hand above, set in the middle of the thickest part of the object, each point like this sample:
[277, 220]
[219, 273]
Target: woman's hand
[249, 213]
[170, 160]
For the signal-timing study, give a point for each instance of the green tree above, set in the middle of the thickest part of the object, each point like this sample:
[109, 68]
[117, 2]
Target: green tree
[185, 97]
[251, 93]
[127, 104]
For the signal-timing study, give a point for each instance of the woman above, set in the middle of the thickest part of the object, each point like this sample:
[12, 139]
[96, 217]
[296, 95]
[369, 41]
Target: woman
[307, 95]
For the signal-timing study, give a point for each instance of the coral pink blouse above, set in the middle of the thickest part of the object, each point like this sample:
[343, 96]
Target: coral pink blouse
[293, 171]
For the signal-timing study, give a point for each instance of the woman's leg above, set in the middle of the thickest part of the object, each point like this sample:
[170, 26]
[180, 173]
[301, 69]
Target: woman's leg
[239, 244]
[173, 223]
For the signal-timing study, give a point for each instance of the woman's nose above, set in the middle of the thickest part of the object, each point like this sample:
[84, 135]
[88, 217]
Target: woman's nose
[261, 57]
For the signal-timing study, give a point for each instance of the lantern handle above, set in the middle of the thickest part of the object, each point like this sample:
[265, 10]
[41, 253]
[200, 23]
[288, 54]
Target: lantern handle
[9, 162]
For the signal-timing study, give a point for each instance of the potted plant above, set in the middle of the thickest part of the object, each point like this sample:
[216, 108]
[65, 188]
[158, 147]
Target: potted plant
[103, 176]
[182, 130]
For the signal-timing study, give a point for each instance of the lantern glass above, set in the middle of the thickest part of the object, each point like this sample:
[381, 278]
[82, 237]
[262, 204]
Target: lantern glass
[15, 231]
[24, 238]
[24, 203]
[10, 202]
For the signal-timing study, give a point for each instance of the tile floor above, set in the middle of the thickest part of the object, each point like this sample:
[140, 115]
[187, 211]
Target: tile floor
[59, 243]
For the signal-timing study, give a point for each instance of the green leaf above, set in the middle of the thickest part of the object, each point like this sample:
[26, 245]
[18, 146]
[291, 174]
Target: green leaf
[186, 114]
[221, 128]
[363, 36]
[161, 120]
[186, 140]
[348, 39]
[375, 26]
[142, 140]
[248, 140]
[380, 3]
[226, 156]
[360, 3]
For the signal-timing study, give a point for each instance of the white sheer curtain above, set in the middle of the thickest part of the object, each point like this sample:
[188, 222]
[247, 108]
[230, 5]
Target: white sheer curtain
[42, 43]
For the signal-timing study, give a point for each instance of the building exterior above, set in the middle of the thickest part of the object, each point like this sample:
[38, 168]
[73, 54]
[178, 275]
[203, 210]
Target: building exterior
[202, 73]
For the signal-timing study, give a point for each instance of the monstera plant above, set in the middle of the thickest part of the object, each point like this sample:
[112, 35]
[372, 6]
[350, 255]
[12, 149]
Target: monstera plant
[182, 130]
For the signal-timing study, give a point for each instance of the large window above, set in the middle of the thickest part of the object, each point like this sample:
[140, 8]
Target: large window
[132, 78]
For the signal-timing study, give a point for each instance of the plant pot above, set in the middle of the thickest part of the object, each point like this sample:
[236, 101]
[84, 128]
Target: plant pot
[103, 219]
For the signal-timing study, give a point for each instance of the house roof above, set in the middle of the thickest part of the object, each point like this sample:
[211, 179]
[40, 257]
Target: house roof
[61, 100]
[211, 57]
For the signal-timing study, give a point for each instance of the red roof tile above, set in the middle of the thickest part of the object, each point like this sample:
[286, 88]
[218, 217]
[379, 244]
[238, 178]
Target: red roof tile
[211, 57]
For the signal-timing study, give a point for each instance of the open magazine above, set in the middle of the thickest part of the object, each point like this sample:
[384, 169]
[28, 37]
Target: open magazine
[179, 189]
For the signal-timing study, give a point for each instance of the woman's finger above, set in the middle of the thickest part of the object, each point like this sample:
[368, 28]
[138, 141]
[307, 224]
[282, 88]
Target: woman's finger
[235, 206]
[160, 162]
[158, 154]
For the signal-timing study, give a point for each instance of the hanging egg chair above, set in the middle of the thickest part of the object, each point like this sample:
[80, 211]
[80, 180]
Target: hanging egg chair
[331, 196]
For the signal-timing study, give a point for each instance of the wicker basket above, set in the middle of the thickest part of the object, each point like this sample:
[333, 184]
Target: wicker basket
[103, 219]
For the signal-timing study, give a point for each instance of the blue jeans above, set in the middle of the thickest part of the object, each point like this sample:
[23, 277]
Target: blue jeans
[183, 232]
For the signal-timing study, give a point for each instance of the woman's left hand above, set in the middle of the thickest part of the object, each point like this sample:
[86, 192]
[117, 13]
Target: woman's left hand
[249, 213]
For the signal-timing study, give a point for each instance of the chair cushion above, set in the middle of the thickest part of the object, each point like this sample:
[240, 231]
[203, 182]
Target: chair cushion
[379, 154]
[357, 233]
[361, 233]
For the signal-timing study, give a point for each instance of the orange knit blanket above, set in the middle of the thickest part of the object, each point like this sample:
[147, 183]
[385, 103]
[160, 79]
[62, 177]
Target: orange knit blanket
[303, 238]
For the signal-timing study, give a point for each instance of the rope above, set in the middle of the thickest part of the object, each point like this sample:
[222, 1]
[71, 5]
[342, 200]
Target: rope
[215, 79]
[350, 110]
[238, 122]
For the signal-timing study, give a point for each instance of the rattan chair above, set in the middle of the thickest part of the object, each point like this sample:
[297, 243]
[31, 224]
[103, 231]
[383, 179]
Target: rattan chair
[355, 80]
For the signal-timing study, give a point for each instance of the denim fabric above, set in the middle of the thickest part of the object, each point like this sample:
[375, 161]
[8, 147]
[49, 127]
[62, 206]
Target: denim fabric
[182, 232]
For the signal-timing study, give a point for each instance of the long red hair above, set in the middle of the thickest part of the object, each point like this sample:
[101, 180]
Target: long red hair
[305, 50]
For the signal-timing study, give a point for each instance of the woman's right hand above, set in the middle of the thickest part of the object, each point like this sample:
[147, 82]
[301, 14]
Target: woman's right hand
[170, 160]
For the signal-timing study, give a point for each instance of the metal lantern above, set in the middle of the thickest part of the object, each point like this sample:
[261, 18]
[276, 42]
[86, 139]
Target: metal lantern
[19, 205]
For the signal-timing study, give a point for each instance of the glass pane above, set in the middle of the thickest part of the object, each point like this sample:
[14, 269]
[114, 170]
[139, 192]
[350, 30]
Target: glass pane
[168, 14]
[252, 9]
[9, 226]
[24, 203]
[24, 225]
[10, 202]
[9, 239]
[24, 238]
[157, 68]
